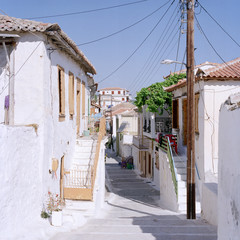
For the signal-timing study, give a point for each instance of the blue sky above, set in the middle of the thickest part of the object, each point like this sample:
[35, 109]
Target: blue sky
[109, 54]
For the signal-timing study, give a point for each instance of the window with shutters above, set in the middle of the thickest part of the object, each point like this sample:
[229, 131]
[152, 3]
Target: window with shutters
[78, 97]
[83, 98]
[119, 92]
[61, 93]
[71, 94]
[196, 112]
[112, 92]
[175, 113]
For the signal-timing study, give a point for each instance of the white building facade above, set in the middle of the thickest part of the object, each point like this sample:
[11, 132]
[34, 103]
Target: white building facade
[112, 96]
[45, 101]
[212, 87]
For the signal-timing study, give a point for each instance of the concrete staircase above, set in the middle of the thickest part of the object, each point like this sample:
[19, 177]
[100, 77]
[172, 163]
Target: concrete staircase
[181, 168]
[84, 154]
[76, 212]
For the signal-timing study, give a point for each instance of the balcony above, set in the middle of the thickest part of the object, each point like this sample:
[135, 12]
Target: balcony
[142, 144]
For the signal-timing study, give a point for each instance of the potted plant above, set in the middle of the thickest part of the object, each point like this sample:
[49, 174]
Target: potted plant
[54, 205]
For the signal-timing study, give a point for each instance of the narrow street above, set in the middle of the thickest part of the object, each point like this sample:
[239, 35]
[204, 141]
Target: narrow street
[133, 211]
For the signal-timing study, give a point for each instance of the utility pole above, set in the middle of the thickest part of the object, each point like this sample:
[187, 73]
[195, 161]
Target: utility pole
[191, 205]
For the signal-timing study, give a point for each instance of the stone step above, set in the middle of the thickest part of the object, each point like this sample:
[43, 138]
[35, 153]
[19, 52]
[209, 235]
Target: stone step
[83, 155]
[164, 220]
[182, 184]
[181, 170]
[86, 143]
[182, 177]
[85, 149]
[161, 230]
[78, 205]
[130, 236]
[179, 164]
[80, 162]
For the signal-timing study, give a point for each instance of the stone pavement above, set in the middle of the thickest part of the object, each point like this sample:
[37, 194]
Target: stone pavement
[134, 211]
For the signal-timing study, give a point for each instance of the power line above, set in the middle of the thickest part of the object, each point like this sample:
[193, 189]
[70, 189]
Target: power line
[21, 25]
[88, 11]
[155, 49]
[144, 77]
[155, 72]
[156, 60]
[201, 30]
[179, 39]
[218, 24]
[122, 64]
[20, 67]
[123, 29]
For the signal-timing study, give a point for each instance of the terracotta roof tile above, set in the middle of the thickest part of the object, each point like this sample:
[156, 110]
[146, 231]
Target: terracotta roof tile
[10, 24]
[224, 71]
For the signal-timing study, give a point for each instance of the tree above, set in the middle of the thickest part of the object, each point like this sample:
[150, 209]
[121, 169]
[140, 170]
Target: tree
[154, 96]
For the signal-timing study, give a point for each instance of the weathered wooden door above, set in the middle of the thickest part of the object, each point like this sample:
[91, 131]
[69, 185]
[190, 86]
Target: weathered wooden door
[78, 104]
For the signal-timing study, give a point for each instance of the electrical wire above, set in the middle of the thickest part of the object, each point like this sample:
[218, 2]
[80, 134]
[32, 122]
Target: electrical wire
[179, 39]
[122, 64]
[155, 49]
[87, 11]
[148, 74]
[201, 30]
[155, 61]
[123, 29]
[19, 23]
[20, 67]
[153, 74]
[218, 24]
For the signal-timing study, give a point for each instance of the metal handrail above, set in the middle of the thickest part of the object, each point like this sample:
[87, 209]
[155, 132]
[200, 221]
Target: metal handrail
[166, 147]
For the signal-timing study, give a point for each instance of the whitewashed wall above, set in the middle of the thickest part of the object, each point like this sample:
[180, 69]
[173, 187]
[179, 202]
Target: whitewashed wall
[36, 102]
[229, 172]
[167, 192]
[20, 195]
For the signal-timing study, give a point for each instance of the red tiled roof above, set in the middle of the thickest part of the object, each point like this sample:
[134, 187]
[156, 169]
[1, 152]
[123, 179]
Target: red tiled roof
[224, 71]
[196, 67]
[11, 24]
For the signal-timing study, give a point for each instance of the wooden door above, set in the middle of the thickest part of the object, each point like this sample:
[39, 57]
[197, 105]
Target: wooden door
[184, 110]
[78, 104]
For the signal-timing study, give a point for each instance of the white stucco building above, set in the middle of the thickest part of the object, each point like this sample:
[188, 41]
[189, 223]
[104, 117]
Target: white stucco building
[45, 99]
[112, 96]
[212, 87]
[229, 169]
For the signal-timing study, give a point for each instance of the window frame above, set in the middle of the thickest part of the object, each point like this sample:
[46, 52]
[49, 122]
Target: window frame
[71, 94]
[61, 92]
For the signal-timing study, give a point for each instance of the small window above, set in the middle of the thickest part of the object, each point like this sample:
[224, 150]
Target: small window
[71, 95]
[123, 99]
[112, 92]
[123, 92]
[61, 93]
[119, 92]
[103, 93]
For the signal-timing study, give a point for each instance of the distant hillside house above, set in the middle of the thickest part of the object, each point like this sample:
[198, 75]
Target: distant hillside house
[112, 96]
